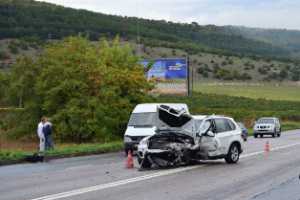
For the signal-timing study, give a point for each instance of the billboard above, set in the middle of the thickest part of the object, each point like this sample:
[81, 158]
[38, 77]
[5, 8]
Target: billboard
[169, 74]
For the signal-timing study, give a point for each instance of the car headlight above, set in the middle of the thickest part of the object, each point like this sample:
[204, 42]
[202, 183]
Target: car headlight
[127, 139]
[144, 142]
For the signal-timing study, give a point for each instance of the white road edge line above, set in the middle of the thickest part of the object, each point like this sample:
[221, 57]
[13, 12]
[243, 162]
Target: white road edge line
[142, 178]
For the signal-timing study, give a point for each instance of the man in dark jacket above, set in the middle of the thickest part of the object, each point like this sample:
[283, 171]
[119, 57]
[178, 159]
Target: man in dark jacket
[47, 130]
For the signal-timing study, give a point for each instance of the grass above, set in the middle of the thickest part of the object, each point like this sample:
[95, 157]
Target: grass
[290, 125]
[63, 150]
[266, 91]
[84, 149]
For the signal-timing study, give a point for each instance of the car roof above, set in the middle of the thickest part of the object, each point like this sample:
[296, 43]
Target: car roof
[152, 107]
[199, 117]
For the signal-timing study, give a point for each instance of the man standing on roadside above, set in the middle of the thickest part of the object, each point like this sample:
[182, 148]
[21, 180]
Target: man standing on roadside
[41, 134]
[47, 130]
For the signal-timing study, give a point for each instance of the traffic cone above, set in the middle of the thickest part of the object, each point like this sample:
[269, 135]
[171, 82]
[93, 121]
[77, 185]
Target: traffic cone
[267, 147]
[129, 162]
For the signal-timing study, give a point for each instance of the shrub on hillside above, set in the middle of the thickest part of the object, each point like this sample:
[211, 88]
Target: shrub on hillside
[13, 47]
[3, 55]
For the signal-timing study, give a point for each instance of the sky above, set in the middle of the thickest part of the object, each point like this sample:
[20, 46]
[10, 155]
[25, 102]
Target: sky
[283, 14]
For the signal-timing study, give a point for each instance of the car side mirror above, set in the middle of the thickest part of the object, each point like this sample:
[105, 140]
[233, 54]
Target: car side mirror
[210, 134]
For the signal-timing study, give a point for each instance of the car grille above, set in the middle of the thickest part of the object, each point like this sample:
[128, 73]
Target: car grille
[262, 127]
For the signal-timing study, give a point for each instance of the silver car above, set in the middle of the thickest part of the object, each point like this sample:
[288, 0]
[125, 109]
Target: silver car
[267, 126]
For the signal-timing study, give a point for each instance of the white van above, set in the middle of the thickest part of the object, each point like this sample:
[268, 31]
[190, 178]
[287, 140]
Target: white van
[142, 123]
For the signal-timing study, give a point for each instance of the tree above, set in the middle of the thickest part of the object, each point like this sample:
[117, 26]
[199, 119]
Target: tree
[283, 74]
[3, 87]
[87, 89]
[22, 81]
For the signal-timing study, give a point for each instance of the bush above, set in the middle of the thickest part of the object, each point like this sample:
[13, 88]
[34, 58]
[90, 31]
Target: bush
[13, 47]
[3, 55]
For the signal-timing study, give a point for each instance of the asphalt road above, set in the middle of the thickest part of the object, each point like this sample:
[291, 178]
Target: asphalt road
[258, 176]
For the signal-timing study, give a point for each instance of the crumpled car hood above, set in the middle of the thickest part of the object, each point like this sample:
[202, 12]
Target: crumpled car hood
[172, 117]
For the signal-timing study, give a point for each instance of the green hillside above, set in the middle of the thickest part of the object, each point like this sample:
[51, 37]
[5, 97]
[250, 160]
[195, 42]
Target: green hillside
[21, 18]
[288, 39]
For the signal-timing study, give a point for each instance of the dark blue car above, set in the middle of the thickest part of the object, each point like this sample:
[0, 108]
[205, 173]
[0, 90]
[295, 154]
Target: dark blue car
[244, 131]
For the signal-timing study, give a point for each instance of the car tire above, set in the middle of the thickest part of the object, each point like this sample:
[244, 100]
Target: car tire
[279, 134]
[274, 134]
[261, 135]
[255, 135]
[233, 154]
[144, 163]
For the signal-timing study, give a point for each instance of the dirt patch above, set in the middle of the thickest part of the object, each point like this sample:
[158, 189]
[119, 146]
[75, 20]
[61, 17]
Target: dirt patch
[20, 145]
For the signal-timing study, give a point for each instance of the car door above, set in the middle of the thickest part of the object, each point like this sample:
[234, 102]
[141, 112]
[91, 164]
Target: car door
[224, 131]
[209, 144]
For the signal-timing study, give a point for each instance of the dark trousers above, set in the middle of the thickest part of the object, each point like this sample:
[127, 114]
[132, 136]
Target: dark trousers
[48, 142]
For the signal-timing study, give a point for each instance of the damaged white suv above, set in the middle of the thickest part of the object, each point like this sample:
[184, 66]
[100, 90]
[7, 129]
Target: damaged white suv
[182, 139]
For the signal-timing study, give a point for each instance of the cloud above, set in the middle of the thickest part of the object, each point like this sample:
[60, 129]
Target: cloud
[253, 13]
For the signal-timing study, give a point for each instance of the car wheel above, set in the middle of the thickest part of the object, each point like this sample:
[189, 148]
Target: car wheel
[274, 134]
[144, 163]
[233, 155]
[261, 135]
[139, 160]
[255, 136]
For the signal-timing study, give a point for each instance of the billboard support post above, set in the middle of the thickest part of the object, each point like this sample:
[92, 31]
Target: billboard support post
[189, 83]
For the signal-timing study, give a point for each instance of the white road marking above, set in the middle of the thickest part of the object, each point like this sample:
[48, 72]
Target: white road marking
[142, 178]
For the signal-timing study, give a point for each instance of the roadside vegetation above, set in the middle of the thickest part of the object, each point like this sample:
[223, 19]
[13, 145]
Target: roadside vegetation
[88, 90]
[10, 156]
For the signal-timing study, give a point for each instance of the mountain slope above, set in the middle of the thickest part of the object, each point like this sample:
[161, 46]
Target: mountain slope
[288, 39]
[19, 18]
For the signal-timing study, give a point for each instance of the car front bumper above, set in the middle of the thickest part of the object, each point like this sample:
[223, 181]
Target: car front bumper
[263, 132]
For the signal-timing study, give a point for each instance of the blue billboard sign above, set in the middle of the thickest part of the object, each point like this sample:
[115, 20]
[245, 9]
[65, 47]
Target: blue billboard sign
[170, 68]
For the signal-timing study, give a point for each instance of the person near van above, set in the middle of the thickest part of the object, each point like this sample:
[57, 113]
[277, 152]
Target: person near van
[41, 134]
[47, 130]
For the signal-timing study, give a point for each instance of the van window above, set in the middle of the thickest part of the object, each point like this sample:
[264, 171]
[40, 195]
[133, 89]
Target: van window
[142, 119]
